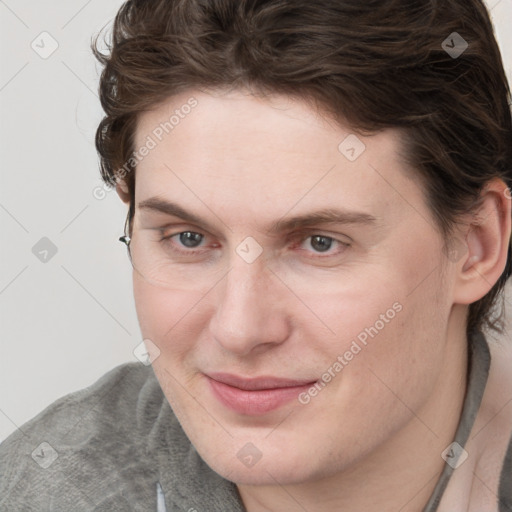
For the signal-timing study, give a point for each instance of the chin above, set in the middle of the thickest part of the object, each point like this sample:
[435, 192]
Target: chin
[267, 471]
[262, 476]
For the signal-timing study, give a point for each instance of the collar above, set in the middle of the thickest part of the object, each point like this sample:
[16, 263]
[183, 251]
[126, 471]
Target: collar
[479, 361]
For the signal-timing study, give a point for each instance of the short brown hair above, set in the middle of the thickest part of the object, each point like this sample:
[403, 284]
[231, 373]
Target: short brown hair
[373, 64]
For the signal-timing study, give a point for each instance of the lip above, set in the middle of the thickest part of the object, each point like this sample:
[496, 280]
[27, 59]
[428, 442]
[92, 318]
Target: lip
[255, 396]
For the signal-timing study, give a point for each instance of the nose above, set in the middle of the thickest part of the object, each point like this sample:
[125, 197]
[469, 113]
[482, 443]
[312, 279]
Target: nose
[251, 309]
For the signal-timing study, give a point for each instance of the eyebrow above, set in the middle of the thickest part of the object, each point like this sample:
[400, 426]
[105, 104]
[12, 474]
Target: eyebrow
[157, 204]
[325, 216]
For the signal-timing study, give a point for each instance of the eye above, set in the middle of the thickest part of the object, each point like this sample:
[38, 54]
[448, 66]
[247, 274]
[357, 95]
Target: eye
[189, 239]
[186, 246]
[322, 244]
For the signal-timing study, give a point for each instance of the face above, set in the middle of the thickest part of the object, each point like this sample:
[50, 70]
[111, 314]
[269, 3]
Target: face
[303, 282]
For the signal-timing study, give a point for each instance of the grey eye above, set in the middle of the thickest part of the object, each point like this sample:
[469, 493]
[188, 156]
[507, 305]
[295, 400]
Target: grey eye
[191, 239]
[321, 243]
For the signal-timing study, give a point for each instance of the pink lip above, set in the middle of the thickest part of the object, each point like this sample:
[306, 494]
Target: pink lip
[255, 396]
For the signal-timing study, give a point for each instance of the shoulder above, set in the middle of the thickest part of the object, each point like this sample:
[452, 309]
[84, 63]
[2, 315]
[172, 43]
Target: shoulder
[492, 432]
[496, 409]
[500, 389]
[90, 436]
[505, 489]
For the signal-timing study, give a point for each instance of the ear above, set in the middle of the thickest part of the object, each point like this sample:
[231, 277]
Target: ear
[122, 191]
[487, 240]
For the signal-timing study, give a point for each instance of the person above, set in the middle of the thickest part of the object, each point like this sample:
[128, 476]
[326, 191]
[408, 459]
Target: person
[319, 224]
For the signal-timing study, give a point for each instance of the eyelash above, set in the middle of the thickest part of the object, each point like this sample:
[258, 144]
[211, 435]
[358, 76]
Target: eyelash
[298, 238]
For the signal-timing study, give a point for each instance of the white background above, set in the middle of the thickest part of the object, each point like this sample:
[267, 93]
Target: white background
[66, 322]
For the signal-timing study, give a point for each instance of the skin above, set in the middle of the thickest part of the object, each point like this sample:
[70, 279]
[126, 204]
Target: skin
[240, 163]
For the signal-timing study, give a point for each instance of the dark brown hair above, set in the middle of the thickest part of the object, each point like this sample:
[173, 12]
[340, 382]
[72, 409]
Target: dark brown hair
[373, 64]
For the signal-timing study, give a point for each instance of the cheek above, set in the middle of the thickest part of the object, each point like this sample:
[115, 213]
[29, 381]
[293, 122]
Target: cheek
[401, 351]
[163, 313]
[149, 304]
[370, 296]
[353, 312]
[387, 326]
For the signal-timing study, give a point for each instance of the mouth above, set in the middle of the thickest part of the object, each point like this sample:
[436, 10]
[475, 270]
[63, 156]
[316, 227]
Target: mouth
[255, 396]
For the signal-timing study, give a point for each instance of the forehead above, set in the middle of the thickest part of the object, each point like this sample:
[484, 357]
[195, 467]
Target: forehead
[268, 155]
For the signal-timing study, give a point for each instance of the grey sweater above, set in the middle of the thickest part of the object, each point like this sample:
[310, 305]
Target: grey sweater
[117, 446]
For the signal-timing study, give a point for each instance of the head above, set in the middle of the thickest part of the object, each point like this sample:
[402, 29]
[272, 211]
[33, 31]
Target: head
[331, 180]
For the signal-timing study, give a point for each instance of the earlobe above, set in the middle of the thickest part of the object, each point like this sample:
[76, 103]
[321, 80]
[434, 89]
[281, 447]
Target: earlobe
[487, 238]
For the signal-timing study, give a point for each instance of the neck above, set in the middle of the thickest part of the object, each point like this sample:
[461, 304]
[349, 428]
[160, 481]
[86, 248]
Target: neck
[402, 473]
